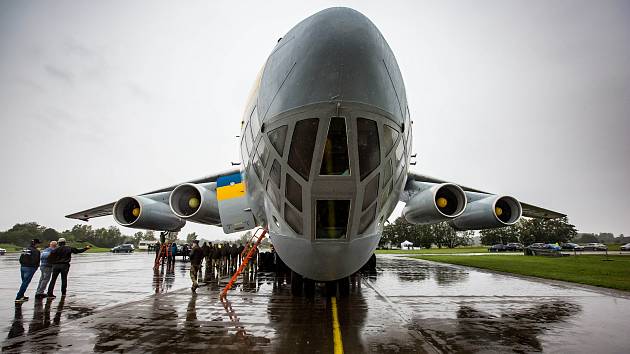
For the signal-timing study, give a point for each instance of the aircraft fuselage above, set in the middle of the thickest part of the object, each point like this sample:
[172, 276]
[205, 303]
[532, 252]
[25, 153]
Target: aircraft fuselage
[325, 143]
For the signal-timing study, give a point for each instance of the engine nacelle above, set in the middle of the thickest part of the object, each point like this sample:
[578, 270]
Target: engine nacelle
[434, 203]
[196, 202]
[149, 212]
[488, 212]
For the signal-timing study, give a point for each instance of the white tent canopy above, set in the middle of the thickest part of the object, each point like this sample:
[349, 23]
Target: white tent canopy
[406, 244]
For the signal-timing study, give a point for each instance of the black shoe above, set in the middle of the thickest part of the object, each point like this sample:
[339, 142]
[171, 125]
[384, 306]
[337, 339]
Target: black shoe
[25, 298]
[51, 296]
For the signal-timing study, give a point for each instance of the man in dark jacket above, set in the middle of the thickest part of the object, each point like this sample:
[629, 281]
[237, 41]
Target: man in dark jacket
[196, 257]
[60, 259]
[206, 253]
[29, 262]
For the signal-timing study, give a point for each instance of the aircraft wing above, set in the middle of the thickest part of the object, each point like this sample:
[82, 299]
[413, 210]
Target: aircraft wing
[530, 211]
[106, 209]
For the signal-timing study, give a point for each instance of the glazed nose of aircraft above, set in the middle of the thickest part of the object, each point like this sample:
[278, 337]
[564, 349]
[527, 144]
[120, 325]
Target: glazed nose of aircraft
[336, 55]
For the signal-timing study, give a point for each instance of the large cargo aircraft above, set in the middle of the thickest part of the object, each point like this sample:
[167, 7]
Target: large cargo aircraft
[325, 147]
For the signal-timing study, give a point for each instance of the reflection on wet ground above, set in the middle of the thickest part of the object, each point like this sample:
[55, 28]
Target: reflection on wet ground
[407, 306]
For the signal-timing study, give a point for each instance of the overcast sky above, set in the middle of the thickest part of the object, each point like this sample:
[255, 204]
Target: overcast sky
[99, 100]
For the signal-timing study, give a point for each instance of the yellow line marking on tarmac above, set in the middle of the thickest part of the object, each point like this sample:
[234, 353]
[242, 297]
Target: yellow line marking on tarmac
[338, 344]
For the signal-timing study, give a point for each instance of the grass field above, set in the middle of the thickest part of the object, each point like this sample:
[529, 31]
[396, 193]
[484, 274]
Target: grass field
[10, 248]
[585, 269]
[437, 250]
[614, 247]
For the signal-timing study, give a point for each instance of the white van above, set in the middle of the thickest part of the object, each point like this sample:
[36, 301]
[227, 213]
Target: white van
[144, 244]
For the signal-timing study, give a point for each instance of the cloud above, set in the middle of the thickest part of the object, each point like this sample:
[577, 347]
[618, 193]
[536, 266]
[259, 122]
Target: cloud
[59, 74]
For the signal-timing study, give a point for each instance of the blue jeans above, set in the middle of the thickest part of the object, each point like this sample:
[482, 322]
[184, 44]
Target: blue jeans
[43, 280]
[27, 275]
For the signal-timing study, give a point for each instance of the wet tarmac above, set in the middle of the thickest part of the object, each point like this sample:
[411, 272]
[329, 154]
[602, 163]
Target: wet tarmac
[115, 303]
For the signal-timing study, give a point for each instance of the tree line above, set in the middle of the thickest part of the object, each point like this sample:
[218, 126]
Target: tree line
[440, 235]
[526, 231]
[22, 234]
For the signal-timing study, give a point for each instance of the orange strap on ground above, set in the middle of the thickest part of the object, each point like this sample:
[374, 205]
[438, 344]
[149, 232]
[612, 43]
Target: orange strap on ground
[252, 250]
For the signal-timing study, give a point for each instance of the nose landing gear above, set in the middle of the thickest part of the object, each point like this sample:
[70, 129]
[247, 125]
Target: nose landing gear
[304, 286]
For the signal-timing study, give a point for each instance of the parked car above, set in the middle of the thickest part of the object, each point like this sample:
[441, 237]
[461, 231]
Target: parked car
[625, 247]
[514, 246]
[125, 248]
[552, 246]
[595, 247]
[499, 247]
[572, 246]
[3, 251]
[537, 245]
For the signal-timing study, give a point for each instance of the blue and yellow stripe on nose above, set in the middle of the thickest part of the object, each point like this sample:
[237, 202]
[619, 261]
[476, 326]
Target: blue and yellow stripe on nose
[230, 186]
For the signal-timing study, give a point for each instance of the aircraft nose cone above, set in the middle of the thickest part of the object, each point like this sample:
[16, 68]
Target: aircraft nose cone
[336, 55]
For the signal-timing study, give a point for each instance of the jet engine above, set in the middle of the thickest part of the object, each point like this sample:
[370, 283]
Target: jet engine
[196, 202]
[487, 212]
[434, 203]
[150, 212]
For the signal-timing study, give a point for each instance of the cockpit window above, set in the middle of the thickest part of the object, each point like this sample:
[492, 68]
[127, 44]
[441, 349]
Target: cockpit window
[370, 193]
[389, 138]
[258, 167]
[244, 153]
[274, 174]
[277, 137]
[255, 123]
[400, 149]
[387, 191]
[293, 219]
[387, 172]
[274, 195]
[263, 152]
[302, 145]
[335, 157]
[368, 146]
[248, 138]
[332, 219]
[367, 219]
[293, 192]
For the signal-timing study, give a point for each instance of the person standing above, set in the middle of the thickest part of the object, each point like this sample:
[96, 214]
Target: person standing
[60, 258]
[169, 255]
[174, 253]
[216, 256]
[46, 270]
[158, 248]
[206, 253]
[196, 257]
[241, 256]
[29, 262]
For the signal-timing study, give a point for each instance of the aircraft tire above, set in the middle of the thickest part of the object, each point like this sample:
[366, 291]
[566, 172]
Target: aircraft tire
[296, 284]
[309, 287]
[344, 286]
[331, 288]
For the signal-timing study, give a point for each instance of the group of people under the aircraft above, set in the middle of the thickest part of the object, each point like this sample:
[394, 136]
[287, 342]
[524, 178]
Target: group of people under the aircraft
[222, 258]
[52, 262]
